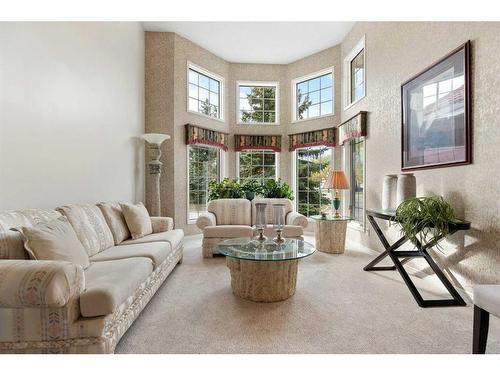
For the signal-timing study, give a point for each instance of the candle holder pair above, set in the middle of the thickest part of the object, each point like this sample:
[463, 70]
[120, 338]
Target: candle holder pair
[278, 221]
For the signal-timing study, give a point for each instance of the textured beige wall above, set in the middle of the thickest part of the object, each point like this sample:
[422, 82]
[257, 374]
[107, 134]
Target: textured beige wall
[396, 52]
[167, 55]
[71, 108]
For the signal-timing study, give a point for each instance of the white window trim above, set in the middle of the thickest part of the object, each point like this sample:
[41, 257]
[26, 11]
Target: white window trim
[214, 76]
[222, 171]
[262, 84]
[346, 201]
[276, 163]
[347, 74]
[294, 175]
[305, 78]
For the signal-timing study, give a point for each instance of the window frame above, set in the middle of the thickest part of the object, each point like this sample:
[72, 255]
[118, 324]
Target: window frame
[360, 46]
[295, 181]
[221, 159]
[308, 77]
[276, 162]
[347, 152]
[258, 84]
[214, 76]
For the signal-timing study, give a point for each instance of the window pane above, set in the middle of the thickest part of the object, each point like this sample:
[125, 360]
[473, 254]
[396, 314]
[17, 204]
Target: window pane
[245, 105]
[204, 81]
[203, 165]
[310, 94]
[314, 84]
[193, 77]
[357, 76]
[193, 105]
[357, 179]
[326, 95]
[326, 108]
[314, 97]
[253, 166]
[313, 111]
[203, 94]
[326, 81]
[214, 99]
[270, 92]
[313, 165]
[214, 86]
[193, 91]
[269, 105]
[245, 91]
[269, 117]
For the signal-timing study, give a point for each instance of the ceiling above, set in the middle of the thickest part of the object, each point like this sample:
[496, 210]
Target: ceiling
[258, 42]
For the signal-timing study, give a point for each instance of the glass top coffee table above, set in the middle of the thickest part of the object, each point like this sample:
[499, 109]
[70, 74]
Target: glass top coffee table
[264, 271]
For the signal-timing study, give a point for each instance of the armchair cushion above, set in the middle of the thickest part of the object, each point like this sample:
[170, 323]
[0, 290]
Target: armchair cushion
[137, 218]
[487, 297]
[206, 219]
[294, 218]
[113, 215]
[228, 231]
[162, 224]
[55, 240]
[90, 227]
[231, 211]
[28, 283]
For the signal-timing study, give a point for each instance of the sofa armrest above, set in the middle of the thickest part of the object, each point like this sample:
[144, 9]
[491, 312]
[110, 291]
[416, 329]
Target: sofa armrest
[294, 218]
[206, 219]
[162, 224]
[39, 283]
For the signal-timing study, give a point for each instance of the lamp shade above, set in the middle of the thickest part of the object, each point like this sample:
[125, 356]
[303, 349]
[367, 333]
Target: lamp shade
[336, 180]
[155, 138]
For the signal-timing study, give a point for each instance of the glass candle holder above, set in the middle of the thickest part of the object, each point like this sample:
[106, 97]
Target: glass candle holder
[260, 219]
[279, 220]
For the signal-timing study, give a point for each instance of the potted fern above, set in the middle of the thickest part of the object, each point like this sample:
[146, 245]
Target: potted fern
[424, 216]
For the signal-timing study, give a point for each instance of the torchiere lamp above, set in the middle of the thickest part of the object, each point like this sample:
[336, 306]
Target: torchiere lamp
[154, 141]
[336, 180]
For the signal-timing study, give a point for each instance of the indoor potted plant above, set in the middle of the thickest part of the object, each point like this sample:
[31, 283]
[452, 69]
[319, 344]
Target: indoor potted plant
[251, 188]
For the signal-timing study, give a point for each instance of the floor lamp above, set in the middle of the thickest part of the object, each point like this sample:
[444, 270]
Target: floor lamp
[154, 141]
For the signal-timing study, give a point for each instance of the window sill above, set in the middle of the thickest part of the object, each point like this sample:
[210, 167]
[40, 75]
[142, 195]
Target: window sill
[258, 123]
[354, 103]
[313, 118]
[206, 116]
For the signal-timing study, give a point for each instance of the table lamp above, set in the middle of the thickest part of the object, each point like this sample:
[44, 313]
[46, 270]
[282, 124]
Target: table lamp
[336, 180]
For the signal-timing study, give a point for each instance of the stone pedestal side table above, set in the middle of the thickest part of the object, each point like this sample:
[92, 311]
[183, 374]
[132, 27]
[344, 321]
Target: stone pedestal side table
[330, 234]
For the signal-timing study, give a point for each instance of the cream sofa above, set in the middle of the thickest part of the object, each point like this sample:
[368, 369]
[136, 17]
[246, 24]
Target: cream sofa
[58, 307]
[231, 218]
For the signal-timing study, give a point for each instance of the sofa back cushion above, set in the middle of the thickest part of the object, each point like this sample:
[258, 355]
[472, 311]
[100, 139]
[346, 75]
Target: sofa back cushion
[55, 240]
[137, 219]
[113, 215]
[11, 242]
[90, 227]
[269, 208]
[231, 211]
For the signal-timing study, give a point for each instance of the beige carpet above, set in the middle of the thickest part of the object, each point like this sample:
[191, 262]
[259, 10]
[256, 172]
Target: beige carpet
[337, 308]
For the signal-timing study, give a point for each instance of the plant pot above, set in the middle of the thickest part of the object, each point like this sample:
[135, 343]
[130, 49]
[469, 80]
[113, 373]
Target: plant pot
[250, 195]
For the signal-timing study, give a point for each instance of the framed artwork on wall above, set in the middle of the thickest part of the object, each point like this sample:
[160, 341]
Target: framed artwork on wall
[436, 114]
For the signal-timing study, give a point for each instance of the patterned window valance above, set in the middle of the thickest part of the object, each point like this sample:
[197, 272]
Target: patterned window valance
[355, 127]
[322, 137]
[198, 135]
[257, 142]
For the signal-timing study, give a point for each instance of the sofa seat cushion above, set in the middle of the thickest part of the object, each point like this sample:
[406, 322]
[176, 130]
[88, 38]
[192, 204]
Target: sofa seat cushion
[288, 231]
[174, 237]
[228, 231]
[156, 251]
[90, 227]
[109, 284]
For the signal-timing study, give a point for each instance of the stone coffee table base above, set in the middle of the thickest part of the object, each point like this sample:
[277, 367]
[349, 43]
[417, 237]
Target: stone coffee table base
[263, 281]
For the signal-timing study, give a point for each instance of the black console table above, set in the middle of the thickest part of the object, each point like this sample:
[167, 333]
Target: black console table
[405, 256]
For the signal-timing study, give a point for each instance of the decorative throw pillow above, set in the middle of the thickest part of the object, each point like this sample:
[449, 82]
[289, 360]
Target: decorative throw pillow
[55, 240]
[137, 218]
[113, 214]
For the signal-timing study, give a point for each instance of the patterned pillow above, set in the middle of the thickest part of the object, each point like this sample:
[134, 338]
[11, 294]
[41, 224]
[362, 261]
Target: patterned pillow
[90, 227]
[55, 240]
[113, 214]
[137, 218]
